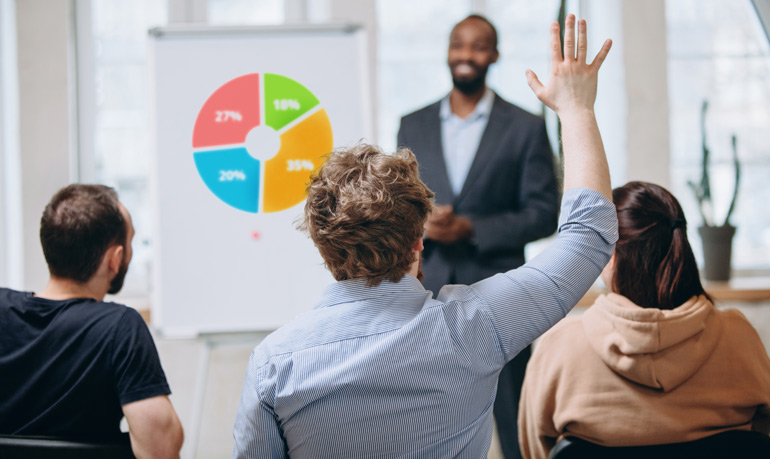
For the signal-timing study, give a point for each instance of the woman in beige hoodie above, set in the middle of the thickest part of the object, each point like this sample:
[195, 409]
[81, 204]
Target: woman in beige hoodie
[653, 362]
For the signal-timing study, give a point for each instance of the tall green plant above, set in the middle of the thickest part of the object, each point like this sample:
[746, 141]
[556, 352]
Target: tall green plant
[702, 189]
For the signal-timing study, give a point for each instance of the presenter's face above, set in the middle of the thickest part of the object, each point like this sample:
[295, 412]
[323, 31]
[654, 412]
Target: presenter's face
[471, 52]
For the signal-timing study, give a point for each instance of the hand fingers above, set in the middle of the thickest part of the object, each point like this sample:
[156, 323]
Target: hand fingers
[602, 54]
[582, 41]
[440, 215]
[555, 45]
[436, 211]
[434, 219]
[534, 83]
[434, 232]
[439, 211]
[569, 37]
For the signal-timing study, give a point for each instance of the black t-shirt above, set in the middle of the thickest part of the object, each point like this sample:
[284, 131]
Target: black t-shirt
[67, 367]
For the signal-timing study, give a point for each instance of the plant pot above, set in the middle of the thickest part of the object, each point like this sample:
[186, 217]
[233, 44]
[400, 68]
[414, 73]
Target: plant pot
[717, 251]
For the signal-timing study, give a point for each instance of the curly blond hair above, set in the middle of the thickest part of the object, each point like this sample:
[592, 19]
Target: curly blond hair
[365, 210]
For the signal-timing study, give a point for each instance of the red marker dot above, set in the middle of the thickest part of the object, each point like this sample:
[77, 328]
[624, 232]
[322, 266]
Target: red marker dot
[255, 235]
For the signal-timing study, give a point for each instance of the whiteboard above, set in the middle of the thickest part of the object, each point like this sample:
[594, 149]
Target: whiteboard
[227, 254]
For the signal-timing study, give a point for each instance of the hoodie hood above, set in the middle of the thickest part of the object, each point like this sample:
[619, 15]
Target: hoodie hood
[657, 348]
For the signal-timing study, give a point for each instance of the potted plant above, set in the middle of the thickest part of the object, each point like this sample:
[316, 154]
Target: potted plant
[717, 239]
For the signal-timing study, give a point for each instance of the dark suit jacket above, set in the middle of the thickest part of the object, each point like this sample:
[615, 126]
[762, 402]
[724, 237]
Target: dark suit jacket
[510, 193]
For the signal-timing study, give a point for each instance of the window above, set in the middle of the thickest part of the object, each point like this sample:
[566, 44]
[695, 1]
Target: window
[523, 33]
[412, 42]
[115, 139]
[411, 58]
[718, 52]
[240, 12]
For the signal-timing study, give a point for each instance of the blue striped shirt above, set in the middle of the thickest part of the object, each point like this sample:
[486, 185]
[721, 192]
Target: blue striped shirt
[387, 371]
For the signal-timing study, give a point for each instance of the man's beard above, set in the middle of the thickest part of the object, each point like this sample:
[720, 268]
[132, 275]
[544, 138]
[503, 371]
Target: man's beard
[471, 85]
[117, 281]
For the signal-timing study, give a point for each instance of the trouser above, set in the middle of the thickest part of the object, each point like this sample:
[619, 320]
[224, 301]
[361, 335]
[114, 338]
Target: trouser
[506, 407]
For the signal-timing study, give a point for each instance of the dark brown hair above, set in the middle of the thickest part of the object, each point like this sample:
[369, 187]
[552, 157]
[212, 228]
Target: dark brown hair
[364, 212]
[77, 227]
[654, 263]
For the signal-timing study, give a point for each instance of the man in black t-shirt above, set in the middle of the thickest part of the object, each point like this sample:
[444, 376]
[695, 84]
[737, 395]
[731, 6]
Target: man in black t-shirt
[72, 365]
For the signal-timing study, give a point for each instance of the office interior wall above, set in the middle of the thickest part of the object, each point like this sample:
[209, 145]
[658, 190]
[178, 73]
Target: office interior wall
[632, 104]
[46, 117]
[646, 62]
[11, 260]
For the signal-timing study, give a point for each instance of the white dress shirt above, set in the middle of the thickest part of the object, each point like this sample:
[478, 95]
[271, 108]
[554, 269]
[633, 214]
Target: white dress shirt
[460, 137]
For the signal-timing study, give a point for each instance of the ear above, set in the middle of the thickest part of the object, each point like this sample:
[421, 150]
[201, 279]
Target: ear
[418, 245]
[494, 59]
[114, 258]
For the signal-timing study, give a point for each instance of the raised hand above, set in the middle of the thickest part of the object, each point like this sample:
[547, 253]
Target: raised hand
[572, 83]
[571, 92]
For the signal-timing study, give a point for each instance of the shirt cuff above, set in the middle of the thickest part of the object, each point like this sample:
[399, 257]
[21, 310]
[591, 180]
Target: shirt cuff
[589, 208]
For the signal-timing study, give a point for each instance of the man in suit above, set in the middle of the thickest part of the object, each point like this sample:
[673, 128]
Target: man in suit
[490, 165]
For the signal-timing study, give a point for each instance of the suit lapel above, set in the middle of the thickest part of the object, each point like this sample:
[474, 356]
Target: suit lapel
[486, 150]
[435, 166]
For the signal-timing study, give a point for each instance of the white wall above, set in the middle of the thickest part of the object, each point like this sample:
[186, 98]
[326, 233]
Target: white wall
[647, 125]
[11, 257]
[46, 116]
[632, 104]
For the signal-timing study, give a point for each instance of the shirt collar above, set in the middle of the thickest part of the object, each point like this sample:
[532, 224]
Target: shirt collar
[483, 107]
[356, 290]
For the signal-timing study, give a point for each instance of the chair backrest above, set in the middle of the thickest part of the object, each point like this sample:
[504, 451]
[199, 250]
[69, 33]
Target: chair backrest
[31, 447]
[729, 444]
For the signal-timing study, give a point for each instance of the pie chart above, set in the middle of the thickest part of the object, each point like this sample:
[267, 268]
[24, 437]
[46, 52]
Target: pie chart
[257, 139]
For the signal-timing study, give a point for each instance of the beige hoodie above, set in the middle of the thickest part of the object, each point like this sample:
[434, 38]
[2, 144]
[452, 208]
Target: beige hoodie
[625, 375]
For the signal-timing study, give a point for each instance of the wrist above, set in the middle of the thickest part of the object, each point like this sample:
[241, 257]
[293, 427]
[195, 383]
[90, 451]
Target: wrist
[466, 228]
[575, 112]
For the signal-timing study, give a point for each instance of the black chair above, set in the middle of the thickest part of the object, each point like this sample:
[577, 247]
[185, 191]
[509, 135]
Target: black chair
[739, 444]
[31, 447]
